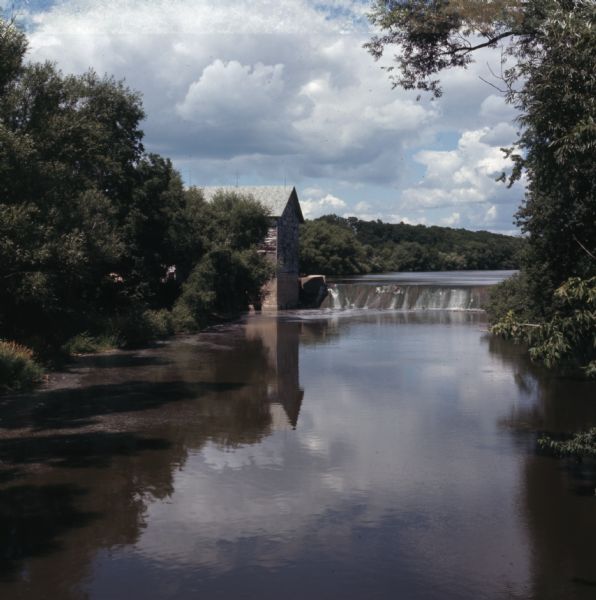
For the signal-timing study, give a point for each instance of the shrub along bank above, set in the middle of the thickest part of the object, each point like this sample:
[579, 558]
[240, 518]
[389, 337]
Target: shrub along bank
[18, 369]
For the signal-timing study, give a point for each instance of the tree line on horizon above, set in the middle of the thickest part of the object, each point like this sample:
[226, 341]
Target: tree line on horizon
[335, 245]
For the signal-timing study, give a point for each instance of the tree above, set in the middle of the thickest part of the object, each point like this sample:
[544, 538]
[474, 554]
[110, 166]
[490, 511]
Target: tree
[86, 217]
[13, 46]
[340, 246]
[227, 272]
[557, 148]
[434, 35]
[330, 248]
[568, 339]
[98, 238]
[549, 52]
[549, 49]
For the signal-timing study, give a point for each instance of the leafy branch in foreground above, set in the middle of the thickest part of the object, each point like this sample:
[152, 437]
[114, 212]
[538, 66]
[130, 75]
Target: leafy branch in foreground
[436, 35]
[568, 338]
[580, 445]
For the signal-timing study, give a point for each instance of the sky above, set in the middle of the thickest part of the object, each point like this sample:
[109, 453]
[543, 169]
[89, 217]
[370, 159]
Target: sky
[274, 92]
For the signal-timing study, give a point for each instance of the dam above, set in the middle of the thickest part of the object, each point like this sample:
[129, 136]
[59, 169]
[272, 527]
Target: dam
[450, 290]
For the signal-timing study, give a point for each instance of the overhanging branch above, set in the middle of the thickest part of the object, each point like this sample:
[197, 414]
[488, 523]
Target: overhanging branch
[463, 50]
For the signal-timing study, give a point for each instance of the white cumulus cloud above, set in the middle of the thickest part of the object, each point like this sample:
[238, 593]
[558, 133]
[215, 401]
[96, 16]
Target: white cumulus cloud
[275, 90]
[314, 203]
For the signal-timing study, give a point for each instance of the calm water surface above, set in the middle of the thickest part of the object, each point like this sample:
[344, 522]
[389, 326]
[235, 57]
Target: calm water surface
[361, 454]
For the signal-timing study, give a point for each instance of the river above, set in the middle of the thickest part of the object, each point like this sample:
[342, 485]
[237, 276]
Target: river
[356, 453]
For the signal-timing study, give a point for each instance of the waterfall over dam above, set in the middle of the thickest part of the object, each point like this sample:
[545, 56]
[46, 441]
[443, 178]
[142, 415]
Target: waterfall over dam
[405, 296]
[450, 290]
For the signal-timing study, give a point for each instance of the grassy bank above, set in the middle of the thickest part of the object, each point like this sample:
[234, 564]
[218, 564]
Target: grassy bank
[21, 369]
[130, 330]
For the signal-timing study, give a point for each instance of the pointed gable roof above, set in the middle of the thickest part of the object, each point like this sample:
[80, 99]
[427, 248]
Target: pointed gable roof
[273, 197]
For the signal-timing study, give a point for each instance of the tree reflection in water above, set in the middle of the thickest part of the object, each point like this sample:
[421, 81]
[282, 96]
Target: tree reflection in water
[120, 426]
[559, 504]
[111, 477]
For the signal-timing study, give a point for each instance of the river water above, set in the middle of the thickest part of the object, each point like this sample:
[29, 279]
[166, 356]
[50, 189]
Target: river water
[354, 454]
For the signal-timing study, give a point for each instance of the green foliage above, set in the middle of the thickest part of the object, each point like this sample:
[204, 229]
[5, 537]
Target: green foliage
[582, 444]
[510, 297]
[229, 273]
[70, 157]
[336, 246]
[223, 282]
[549, 52]
[13, 46]
[568, 338]
[331, 249]
[85, 343]
[235, 221]
[160, 322]
[432, 35]
[18, 369]
[139, 328]
[558, 143]
[127, 330]
[97, 237]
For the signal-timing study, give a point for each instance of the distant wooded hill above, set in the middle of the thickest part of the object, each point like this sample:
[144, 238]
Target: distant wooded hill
[334, 245]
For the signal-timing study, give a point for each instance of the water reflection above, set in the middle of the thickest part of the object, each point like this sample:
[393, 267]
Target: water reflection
[368, 454]
[558, 498]
[280, 341]
[549, 402]
[121, 426]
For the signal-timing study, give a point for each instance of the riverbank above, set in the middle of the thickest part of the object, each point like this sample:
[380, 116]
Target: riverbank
[22, 369]
[453, 290]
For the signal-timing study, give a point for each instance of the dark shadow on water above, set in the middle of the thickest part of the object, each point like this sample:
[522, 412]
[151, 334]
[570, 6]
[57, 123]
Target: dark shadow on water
[558, 493]
[7, 475]
[585, 582]
[555, 406]
[582, 476]
[117, 441]
[117, 361]
[81, 407]
[94, 449]
[32, 520]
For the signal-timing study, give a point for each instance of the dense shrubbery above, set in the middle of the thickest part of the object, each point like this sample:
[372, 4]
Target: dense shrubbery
[331, 249]
[337, 246]
[84, 342]
[510, 295]
[18, 369]
[227, 274]
[100, 244]
[125, 330]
